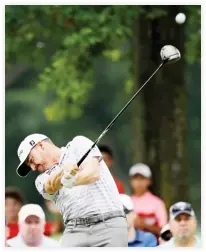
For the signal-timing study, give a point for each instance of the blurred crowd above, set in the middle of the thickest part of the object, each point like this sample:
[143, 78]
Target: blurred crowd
[149, 223]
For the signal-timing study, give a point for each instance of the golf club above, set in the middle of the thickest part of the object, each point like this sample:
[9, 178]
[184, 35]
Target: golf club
[169, 54]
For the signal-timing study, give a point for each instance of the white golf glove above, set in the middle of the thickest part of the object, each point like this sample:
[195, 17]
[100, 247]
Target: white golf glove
[69, 175]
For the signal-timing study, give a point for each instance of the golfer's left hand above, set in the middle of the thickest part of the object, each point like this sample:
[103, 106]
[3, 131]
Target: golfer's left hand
[70, 170]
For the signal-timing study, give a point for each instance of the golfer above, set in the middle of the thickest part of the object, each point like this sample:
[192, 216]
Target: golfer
[86, 196]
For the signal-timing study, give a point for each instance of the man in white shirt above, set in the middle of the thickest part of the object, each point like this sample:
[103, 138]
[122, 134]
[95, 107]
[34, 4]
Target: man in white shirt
[31, 229]
[86, 196]
[183, 226]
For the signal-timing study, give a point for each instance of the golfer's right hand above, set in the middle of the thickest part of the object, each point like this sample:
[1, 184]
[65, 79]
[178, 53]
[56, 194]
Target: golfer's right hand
[70, 170]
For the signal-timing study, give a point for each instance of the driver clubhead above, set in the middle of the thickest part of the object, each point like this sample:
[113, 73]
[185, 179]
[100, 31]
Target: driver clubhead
[170, 54]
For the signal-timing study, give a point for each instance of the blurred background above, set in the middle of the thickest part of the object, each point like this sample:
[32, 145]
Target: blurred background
[70, 69]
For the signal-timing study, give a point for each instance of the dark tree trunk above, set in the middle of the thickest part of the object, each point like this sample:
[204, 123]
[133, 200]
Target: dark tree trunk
[165, 106]
[137, 115]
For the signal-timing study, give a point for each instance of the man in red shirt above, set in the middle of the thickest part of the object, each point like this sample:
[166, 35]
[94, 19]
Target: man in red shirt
[150, 209]
[108, 159]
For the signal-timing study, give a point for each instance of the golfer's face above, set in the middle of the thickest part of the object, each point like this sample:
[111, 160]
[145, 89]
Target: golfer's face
[183, 226]
[37, 159]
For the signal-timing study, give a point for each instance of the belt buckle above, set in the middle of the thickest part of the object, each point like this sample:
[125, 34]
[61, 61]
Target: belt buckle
[73, 222]
[87, 222]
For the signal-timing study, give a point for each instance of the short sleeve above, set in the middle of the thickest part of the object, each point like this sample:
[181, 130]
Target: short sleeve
[81, 145]
[40, 181]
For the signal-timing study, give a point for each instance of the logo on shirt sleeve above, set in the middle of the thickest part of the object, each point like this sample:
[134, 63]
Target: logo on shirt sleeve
[54, 168]
[39, 185]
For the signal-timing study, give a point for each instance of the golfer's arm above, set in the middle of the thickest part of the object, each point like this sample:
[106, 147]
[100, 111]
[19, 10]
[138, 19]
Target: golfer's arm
[53, 183]
[90, 172]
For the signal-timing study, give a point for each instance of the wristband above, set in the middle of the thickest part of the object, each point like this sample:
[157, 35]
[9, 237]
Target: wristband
[68, 183]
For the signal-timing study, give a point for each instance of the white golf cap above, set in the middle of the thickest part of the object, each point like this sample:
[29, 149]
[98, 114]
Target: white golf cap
[180, 208]
[29, 210]
[126, 202]
[141, 169]
[23, 151]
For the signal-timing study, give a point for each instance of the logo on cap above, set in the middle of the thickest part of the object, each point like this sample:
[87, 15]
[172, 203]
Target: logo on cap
[32, 142]
[20, 153]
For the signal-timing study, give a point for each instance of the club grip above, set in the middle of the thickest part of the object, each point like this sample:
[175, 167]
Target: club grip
[85, 155]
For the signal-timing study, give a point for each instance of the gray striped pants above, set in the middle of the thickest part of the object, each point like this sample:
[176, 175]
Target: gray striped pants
[110, 233]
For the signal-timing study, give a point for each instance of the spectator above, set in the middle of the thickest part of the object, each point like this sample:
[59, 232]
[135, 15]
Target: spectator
[136, 238]
[6, 234]
[31, 228]
[165, 234]
[183, 225]
[150, 209]
[107, 154]
[13, 202]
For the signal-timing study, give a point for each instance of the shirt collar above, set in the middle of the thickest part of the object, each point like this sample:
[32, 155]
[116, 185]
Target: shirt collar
[197, 240]
[22, 241]
[146, 194]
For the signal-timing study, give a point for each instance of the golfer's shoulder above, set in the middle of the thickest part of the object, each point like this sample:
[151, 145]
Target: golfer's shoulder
[41, 177]
[79, 140]
[39, 184]
[39, 181]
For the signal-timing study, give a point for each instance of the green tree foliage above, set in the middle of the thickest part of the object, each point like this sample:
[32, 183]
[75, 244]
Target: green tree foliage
[193, 34]
[61, 42]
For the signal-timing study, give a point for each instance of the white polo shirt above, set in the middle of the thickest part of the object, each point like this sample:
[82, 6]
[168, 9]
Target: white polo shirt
[171, 244]
[85, 200]
[18, 242]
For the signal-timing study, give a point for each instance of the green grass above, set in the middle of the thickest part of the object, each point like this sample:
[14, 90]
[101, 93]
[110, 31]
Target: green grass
[57, 236]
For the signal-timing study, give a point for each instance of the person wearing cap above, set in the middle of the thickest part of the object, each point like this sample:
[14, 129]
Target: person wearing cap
[150, 209]
[31, 229]
[136, 238]
[165, 234]
[14, 200]
[86, 196]
[107, 155]
[183, 225]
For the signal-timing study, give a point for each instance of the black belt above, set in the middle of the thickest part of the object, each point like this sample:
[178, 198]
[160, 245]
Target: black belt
[95, 218]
